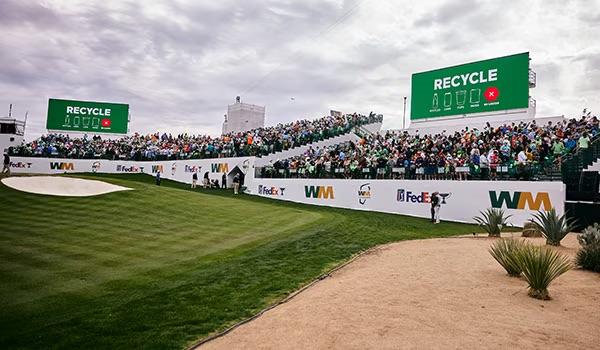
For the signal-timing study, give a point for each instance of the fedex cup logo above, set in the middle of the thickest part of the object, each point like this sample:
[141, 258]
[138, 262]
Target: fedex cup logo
[419, 197]
[173, 169]
[95, 167]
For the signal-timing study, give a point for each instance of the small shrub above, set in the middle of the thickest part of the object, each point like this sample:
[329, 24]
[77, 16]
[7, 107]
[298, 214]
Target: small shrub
[553, 227]
[540, 266]
[506, 252]
[588, 257]
[492, 221]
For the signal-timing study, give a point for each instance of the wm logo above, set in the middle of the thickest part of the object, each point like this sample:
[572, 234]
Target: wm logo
[219, 168]
[520, 200]
[157, 168]
[61, 166]
[325, 192]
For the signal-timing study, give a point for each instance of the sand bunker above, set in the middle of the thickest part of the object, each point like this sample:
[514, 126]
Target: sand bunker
[60, 186]
[429, 294]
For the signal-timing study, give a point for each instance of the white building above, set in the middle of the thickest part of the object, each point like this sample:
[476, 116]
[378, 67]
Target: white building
[11, 133]
[243, 117]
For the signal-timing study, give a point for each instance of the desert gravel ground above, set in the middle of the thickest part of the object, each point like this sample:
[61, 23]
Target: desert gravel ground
[423, 294]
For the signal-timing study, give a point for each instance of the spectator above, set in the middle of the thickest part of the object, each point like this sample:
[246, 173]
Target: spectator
[6, 166]
[236, 183]
[194, 179]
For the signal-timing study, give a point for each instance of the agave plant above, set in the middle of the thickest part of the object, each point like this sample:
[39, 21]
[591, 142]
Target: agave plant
[553, 227]
[492, 221]
[540, 266]
[506, 252]
[588, 257]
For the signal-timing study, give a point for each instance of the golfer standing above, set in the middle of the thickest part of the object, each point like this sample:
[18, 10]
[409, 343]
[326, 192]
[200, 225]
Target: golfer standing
[194, 179]
[435, 207]
[6, 167]
[236, 183]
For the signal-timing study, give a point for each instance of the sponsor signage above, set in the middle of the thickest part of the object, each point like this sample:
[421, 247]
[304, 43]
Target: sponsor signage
[319, 192]
[484, 86]
[219, 167]
[192, 168]
[419, 197]
[87, 116]
[62, 166]
[157, 168]
[20, 165]
[129, 169]
[96, 167]
[364, 193]
[520, 200]
[271, 190]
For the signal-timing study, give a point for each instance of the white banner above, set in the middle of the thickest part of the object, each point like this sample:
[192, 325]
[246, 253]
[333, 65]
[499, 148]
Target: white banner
[178, 170]
[461, 200]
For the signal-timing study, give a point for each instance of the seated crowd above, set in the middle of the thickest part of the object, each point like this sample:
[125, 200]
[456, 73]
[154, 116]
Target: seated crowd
[520, 149]
[256, 142]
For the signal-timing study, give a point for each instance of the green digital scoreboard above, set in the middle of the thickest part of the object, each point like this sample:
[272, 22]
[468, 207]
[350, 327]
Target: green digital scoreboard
[484, 86]
[87, 116]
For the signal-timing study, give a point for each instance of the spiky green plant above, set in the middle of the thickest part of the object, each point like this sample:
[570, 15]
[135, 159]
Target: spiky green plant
[492, 220]
[588, 257]
[540, 266]
[506, 251]
[553, 227]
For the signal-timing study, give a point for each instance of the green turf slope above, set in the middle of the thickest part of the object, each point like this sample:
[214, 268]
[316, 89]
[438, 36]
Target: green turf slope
[161, 267]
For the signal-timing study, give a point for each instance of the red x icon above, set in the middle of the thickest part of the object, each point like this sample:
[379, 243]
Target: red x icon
[491, 94]
[106, 123]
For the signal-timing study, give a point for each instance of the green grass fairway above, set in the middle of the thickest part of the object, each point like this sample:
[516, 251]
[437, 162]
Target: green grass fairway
[161, 267]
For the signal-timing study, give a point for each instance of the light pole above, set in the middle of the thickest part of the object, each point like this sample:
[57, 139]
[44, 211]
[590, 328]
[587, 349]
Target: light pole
[404, 114]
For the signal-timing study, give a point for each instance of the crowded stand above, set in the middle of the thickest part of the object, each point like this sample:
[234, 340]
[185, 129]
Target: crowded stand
[523, 151]
[256, 142]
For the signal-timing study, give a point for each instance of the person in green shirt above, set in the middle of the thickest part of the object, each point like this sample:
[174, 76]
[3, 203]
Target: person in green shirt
[558, 147]
[584, 141]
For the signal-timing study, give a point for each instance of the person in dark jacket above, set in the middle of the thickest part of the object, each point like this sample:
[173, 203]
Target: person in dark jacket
[236, 183]
[224, 181]
[194, 179]
[435, 207]
[158, 178]
[206, 181]
[6, 167]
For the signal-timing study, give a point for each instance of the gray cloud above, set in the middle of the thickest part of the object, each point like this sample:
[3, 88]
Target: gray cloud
[179, 63]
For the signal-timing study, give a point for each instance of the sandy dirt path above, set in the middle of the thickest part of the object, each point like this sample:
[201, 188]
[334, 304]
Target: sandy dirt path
[438, 293]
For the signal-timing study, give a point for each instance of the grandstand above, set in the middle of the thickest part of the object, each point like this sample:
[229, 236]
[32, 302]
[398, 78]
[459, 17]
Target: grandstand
[476, 152]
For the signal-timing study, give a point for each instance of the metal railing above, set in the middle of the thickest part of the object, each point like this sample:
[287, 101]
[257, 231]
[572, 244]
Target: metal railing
[511, 171]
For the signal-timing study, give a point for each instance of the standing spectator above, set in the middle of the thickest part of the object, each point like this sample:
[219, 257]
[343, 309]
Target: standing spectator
[224, 181]
[435, 207]
[194, 179]
[206, 181]
[521, 163]
[236, 183]
[158, 178]
[584, 141]
[6, 167]
[484, 165]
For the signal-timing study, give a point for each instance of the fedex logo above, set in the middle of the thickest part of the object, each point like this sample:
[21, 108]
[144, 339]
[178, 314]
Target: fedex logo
[270, 191]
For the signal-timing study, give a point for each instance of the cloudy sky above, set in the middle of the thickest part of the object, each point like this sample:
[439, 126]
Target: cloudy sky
[179, 63]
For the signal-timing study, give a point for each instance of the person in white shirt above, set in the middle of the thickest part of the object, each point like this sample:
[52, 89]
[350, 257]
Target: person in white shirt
[522, 158]
[484, 165]
[521, 164]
